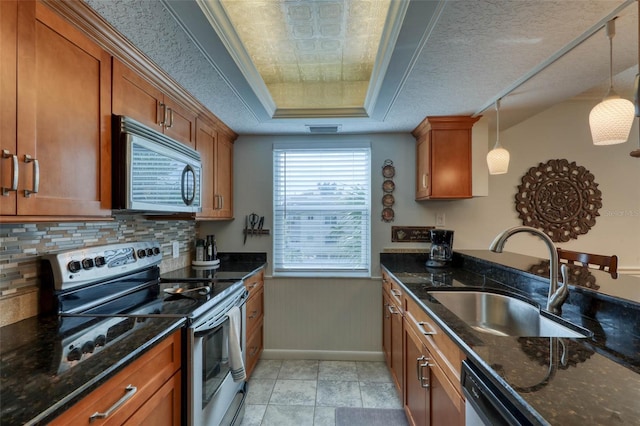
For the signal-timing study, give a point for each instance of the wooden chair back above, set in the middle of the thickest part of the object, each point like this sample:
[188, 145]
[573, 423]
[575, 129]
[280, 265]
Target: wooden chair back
[604, 263]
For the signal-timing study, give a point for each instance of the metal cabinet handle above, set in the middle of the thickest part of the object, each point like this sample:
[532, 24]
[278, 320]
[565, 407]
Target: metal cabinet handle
[421, 378]
[253, 315]
[421, 326]
[424, 181]
[14, 176]
[163, 121]
[129, 391]
[396, 292]
[254, 350]
[36, 175]
[392, 309]
[221, 202]
[169, 112]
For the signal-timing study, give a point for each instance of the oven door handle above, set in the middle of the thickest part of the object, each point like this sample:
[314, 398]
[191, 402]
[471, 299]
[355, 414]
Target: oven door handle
[214, 328]
[211, 330]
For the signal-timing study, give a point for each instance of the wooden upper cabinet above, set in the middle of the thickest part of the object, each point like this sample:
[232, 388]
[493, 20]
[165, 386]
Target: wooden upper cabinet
[443, 157]
[216, 151]
[63, 113]
[135, 97]
[8, 103]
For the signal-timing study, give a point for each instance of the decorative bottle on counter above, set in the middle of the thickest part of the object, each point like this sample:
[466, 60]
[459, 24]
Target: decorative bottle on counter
[208, 249]
[200, 250]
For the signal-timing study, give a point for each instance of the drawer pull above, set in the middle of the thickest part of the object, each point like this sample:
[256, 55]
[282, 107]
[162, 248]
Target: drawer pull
[396, 292]
[253, 314]
[254, 350]
[421, 326]
[128, 393]
[392, 309]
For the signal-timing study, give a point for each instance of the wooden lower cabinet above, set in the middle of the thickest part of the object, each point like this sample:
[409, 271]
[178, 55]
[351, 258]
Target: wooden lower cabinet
[155, 401]
[392, 329]
[254, 320]
[416, 380]
[432, 364]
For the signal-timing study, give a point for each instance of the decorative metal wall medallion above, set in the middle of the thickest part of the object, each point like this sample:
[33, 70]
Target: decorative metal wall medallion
[388, 172]
[559, 197]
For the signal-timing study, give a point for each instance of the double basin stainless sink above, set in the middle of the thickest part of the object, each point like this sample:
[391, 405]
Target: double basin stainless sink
[504, 315]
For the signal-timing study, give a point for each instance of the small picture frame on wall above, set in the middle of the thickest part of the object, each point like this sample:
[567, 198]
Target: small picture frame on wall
[411, 234]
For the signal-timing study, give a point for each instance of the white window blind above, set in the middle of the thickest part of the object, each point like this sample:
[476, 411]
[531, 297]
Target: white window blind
[322, 209]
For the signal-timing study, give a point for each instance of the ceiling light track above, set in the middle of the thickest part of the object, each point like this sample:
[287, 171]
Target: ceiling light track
[559, 54]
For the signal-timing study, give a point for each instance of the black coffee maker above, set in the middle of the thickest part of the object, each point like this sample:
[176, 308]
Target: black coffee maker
[441, 248]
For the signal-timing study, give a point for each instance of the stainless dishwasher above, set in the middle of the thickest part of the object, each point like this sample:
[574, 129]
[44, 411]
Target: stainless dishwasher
[485, 405]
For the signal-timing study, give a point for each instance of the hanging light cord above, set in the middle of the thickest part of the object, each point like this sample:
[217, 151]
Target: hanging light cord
[611, 32]
[497, 123]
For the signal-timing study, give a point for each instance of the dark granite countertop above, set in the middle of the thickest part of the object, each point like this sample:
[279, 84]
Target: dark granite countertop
[232, 266]
[33, 391]
[600, 381]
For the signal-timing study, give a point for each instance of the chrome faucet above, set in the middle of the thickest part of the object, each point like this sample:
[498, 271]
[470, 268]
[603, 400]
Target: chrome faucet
[557, 296]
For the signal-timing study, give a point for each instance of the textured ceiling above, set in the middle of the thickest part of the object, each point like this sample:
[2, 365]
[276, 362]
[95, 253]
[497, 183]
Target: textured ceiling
[455, 58]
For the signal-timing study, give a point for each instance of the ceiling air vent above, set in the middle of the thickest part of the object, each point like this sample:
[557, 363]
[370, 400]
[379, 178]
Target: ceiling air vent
[326, 128]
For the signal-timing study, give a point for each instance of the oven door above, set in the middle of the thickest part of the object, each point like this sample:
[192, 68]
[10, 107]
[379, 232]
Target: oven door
[212, 389]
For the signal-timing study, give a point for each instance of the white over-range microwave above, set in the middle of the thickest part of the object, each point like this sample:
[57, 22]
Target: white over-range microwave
[153, 173]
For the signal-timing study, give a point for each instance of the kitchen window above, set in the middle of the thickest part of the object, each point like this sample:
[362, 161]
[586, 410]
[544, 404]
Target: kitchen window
[322, 209]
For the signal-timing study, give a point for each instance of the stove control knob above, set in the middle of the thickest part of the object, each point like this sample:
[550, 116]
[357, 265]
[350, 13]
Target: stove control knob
[74, 266]
[149, 252]
[100, 261]
[141, 253]
[74, 354]
[87, 263]
[101, 340]
[156, 250]
[88, 347]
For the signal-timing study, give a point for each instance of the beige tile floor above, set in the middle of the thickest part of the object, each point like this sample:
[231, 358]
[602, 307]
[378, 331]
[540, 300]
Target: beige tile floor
[307, 392]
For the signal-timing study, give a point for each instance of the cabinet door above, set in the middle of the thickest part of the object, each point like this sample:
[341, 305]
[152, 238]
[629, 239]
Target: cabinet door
[451, 163]
[8, 79]
[135, 97]
[447, 405]
[205, 145]
[180, 123]
[64, 117]
[416, 380]
[162, 409]
[386, 328]
[423, 175]
[396, 346]
[224, 177]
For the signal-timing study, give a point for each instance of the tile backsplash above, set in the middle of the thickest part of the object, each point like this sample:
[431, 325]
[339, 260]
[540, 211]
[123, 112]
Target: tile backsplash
[22, 245]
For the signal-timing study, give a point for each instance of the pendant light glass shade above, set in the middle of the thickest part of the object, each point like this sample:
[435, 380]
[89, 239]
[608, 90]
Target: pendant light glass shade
[610, 121]
[498, 160]
[498, 157]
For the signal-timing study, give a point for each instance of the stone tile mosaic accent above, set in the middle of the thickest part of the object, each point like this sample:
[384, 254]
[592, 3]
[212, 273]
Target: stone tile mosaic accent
[22, 246]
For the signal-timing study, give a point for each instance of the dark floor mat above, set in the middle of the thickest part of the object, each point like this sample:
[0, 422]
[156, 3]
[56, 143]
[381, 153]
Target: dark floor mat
[349, 416]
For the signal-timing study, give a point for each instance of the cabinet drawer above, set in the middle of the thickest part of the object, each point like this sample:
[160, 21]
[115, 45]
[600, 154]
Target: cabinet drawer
[394, 289]
[446, 353]
[255, 310]
[147, 374]
[254, 348]
[254, 282]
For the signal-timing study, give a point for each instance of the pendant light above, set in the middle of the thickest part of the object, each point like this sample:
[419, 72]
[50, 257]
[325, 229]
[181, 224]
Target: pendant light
[611, 119]
[498, 157]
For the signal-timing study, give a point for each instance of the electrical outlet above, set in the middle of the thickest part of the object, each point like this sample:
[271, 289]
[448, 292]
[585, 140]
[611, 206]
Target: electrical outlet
[440, 221]
[176, 249]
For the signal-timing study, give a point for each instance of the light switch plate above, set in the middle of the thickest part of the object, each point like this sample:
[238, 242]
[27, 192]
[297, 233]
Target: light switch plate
[176, 249]
[440, 220]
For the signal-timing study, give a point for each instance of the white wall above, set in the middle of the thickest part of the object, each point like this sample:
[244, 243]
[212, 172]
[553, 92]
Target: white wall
[560, 132]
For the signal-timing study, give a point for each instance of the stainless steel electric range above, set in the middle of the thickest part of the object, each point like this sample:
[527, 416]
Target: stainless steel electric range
[100, 294]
